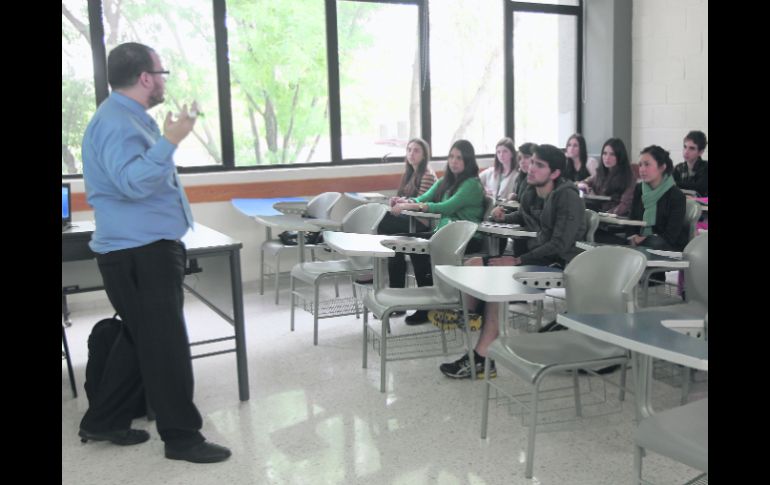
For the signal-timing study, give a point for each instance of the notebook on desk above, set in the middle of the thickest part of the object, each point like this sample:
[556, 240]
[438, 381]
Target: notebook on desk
[66, 207]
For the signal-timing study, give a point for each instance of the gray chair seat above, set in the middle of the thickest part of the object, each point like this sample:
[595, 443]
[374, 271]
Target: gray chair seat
[309, 272]
[397, 299]
[681, 434]
[528, 355]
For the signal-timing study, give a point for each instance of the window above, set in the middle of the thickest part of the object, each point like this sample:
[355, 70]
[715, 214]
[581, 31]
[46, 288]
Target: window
[379, 66]
[335, 81]
[77, 83]
[182, 34]
[466, 63]
[278, 78]
[546, 76]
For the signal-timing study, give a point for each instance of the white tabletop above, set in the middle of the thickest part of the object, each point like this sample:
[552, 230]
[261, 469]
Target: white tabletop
[351, 244]
[503, 229]
[492, 283]
[642, 332]
[597, 197]
[621, 221]
[511, 204]
[655, 258]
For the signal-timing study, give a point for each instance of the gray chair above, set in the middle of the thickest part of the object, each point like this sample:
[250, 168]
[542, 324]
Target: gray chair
[446, 246]
[364, 219]
[599, 281]
[681, 434]
[319, 207]
[696, 287]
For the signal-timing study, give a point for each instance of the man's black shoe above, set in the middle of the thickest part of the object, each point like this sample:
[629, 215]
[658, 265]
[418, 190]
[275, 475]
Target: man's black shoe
[122, 437]
[417, 318]
[203, 452]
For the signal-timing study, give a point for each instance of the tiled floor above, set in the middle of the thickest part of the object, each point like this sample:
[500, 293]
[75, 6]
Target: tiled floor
[316, 417]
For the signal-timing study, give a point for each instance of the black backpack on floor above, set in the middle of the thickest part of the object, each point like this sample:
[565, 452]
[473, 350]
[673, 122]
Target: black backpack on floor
[100, 342]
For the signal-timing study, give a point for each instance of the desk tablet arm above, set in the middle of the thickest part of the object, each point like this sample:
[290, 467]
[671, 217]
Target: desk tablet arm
[540, 280]
[295, 208]
[409, 245]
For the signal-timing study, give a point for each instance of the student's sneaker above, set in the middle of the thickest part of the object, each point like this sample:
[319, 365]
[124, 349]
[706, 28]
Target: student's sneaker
[448, 319]
[461, 368]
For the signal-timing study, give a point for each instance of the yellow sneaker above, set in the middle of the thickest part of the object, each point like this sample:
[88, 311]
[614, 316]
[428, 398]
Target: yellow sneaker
[448, 319]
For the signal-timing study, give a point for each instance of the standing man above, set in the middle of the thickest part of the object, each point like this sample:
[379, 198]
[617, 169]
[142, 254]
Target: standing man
[141, 213]
[552, 207]
[693, 173]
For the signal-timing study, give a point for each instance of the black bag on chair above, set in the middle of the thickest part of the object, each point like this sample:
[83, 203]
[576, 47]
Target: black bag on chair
[289, 238]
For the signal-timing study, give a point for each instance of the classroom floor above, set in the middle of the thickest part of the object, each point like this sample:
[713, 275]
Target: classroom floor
[316, 417]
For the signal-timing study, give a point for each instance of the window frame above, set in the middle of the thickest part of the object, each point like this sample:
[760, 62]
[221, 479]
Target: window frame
[219, 12]
[512, 7]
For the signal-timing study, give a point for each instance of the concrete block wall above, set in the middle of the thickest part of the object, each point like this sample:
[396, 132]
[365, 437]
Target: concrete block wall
[670, 73]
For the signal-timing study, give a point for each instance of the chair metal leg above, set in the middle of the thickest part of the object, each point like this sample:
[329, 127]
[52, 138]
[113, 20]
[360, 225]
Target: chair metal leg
[468, 340]
[384, 348]
[315, 311]
[576, 384]
[261, 270]
[686, 376]
[293, 300]
[355, 300]
[623, 374]
[277, 274]
[70, 371]
[531, 438]
[485, 400]
[366, 338]
[336, 288]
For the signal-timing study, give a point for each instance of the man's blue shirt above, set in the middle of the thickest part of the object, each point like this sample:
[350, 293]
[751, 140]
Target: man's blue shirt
[129, 177]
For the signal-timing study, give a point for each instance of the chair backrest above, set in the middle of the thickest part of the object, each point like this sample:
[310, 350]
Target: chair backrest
[696, 276]
[447, 246]
[592, 223]
[603, 280]
[692, 213]
[344, 205]
[364, 219]
[320, 205]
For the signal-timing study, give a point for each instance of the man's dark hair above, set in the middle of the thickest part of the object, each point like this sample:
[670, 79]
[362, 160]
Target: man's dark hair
[661, 156]
[553, 156]
[697, 137]
[126, 62]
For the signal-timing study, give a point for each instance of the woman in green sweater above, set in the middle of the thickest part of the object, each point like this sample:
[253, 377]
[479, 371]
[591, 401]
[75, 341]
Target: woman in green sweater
[457, 196]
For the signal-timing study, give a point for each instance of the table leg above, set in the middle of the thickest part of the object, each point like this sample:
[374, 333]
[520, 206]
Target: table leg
[239, 326]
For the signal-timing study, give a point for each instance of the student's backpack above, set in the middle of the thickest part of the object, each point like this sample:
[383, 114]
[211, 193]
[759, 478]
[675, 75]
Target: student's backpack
[100, 342]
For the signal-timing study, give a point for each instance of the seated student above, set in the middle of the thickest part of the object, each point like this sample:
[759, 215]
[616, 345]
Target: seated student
[524, 157]
[457, 196]
[579, 165]
[613, 178]
[417, 179]
[659, 203]
[551, 206]
[498, 179]
[693, 173]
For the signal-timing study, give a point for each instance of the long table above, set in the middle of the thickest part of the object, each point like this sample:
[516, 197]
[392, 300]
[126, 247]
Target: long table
[213, 275]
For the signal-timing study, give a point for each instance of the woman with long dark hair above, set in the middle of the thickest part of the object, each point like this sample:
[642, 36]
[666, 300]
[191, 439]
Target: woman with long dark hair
[457, 196]
[417, 179]
[579, 165]
[613, 179]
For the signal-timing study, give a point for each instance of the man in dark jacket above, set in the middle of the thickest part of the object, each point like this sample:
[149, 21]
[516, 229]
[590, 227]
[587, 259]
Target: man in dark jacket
[552, 207]
[693, 173]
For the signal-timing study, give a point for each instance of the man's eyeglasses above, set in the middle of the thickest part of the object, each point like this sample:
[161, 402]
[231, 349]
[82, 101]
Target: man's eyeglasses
[165, 73]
